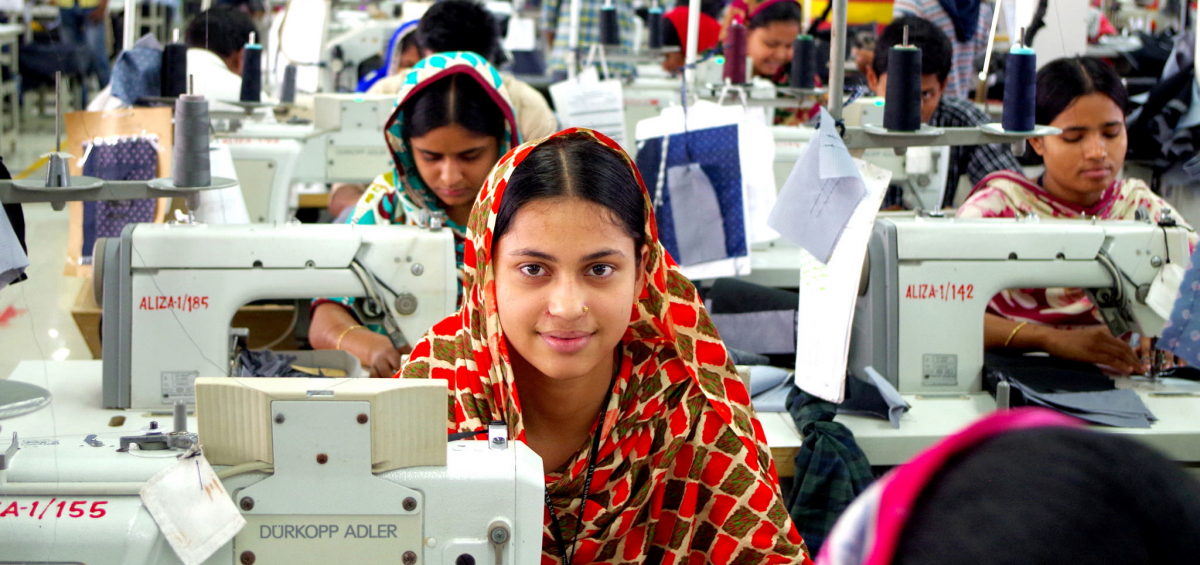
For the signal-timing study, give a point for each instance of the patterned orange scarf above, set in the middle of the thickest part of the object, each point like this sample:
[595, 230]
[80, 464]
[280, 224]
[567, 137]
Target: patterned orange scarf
[684, 473]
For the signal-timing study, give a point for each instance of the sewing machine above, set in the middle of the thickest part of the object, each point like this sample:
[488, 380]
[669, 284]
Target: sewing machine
[345, 143]
[170, 291]
[919, 316]
[321, 470]
[345, 54]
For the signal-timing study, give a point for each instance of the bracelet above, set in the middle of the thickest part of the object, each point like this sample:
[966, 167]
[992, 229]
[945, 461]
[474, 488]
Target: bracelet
[346, 331]
[1014, 333]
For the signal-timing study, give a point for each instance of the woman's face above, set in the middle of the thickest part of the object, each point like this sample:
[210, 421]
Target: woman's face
[454, 161]
[1085, 158]
[559, 257]
[770, 47]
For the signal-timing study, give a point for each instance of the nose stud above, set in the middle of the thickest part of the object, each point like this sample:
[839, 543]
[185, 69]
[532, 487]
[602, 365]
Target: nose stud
[585, 309]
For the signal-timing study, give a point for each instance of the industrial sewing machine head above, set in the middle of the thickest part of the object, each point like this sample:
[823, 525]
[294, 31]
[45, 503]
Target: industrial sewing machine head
[170, 292]
[321, 470]
[919, 316]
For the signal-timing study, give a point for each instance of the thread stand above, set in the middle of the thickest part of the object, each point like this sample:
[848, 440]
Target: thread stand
[643, 56]
[249, 107]
[859, 137]
[791, 97]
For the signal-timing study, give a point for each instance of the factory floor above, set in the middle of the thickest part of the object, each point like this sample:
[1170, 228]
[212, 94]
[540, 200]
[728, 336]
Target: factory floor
[35, 316]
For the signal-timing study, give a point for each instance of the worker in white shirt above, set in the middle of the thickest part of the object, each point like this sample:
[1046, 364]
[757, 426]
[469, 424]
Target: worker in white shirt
[216, 40]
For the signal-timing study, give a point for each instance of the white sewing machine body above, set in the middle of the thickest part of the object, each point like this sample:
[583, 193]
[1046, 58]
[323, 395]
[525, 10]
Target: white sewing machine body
[345, 143]
[71, 502]
[170, 292]
[919, 317]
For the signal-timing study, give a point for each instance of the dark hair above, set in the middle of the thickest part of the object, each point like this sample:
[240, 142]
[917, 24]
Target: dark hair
[458, 25]
[786, 11]
[670, 35]
[1061, 81]
[576, 165]
[456, 99]
[711, 7]
[1055, 495]
[222, 29]
[408, 41]
[937, 54]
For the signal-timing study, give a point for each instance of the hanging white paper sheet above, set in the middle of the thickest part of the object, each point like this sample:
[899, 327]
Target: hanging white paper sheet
[522, 35]
[592, 103]
[820, 195]
[828, 293]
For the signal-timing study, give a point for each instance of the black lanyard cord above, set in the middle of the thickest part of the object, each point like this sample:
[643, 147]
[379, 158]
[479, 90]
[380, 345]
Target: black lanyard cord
[555, 527]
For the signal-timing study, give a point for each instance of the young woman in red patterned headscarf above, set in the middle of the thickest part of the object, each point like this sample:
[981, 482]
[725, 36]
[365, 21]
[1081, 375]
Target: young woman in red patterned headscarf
[579, 331]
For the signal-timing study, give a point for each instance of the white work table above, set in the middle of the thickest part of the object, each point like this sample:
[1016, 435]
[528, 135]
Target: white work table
[931, 418]
[75, 413]
[75, 407]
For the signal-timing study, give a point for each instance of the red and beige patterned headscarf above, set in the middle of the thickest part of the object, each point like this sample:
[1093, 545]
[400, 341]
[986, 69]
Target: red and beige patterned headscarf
[683, 472]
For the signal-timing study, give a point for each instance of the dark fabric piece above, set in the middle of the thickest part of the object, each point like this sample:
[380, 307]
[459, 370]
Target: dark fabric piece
[1055, 495]
[1044, 374]
[965, 16]
[1153, 131]
[863, 399]
[265, 363]
[16, 217]
[131, 159]
[734, 296]
[137, 73]
[831, 470]
[740, 357]
[976, 161]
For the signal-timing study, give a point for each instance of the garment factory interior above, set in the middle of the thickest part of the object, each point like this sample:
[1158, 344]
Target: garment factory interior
[599, 281]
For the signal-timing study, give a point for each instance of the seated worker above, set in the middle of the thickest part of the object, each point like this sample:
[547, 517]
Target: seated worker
[937, 107]
[465, 25]
[216, 39]
[402, 54]
[1042, 489]
[1084, 98]
[451, 124]
[675, 32]
[966, 22]
[580, 332]
[772, 27]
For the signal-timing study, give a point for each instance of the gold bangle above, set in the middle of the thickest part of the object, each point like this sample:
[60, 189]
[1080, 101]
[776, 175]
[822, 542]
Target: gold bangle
[1014, 333]
[343, 335]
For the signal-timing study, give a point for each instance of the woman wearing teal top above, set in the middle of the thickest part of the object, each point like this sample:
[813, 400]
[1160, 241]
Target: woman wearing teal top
[452, 122]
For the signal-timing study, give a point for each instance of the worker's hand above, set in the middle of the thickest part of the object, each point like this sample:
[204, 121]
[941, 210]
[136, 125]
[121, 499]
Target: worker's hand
[863, 59]
[1146, 353]
[384, 359]
[1093, 345]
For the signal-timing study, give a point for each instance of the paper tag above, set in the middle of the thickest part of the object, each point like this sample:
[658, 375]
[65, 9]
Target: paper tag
[522, 34]
[1164, 289]
[192, 509]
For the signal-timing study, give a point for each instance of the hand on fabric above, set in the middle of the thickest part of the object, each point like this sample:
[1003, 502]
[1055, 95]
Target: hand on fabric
[1091, 345]
[382, 360]
[1146, 353]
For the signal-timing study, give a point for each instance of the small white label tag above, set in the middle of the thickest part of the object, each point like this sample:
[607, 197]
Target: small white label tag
[179, 385]
[1164, 289]
[192, 509]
